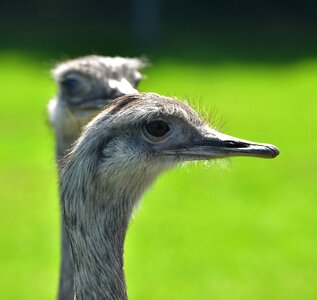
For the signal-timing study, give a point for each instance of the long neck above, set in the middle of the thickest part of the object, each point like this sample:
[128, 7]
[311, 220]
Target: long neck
[98, 198]
[97, 232]
[66, 279]
[63, 142]
[66, 125]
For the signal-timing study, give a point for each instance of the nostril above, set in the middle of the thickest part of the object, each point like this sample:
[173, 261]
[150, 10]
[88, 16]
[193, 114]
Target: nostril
[234, 144]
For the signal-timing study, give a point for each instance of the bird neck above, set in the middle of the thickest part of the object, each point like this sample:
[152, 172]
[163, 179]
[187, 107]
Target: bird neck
[98, 200]
[66, 126]
[97, 235]
[64, 142]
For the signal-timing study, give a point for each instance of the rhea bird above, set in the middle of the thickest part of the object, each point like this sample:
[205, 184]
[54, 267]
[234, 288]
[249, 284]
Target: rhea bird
[118, 156]
[86, 85]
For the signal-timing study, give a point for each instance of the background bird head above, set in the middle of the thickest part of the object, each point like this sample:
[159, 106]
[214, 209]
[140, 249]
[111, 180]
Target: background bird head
[85, 85]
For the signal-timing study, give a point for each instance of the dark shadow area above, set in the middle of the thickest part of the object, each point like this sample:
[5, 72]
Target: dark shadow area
[275, 32]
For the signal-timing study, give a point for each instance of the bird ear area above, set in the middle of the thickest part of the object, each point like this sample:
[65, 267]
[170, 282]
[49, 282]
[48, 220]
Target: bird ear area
[101, 147]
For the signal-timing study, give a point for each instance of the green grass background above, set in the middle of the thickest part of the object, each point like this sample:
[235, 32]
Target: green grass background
[244, 231]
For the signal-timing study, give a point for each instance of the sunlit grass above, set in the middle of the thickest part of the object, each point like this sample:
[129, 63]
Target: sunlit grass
[246, 231]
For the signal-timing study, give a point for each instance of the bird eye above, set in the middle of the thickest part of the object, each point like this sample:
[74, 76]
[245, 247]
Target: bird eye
[157, 128]
[71, 86]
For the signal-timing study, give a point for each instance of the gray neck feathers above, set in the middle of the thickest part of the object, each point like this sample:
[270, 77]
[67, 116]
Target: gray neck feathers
[97, 241]
[66, 130]
[96, 218]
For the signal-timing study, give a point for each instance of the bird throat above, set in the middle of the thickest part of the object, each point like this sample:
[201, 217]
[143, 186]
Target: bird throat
[97, 242]
[97, 211]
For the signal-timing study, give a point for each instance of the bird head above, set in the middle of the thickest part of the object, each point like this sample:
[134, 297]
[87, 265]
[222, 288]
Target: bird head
[93, 81]
[87, 84]
[139, 136]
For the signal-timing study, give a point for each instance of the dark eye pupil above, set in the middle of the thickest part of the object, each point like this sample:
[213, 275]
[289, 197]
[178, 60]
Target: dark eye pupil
[157, 128]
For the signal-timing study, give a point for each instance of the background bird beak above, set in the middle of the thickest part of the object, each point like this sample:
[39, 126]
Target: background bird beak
[118, 88]
[123, 87]
[219, 145]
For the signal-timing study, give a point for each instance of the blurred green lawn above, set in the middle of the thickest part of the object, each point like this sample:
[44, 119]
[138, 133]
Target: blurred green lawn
[246, 231]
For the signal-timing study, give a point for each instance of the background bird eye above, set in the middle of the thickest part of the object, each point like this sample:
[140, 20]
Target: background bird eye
[71, 86]
[157, 128]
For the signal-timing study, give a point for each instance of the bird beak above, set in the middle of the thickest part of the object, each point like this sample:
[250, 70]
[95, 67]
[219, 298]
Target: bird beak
[118, 88]
[219, 145]
[123, 87]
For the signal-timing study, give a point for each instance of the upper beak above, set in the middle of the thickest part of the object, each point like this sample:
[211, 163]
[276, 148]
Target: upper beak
[219, 145]
[123, 87]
